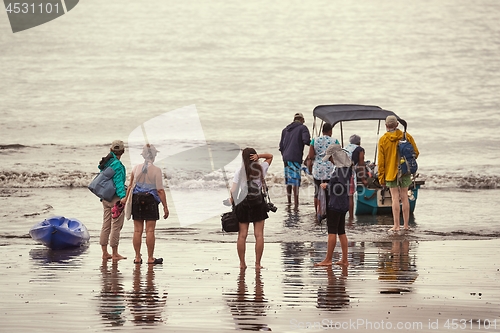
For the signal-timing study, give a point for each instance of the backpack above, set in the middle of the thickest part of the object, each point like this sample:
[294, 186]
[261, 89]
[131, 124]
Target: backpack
[407, 157]
[254, 195]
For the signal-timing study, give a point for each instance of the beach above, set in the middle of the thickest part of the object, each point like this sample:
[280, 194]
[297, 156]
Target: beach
[200, 288]
[404, 283]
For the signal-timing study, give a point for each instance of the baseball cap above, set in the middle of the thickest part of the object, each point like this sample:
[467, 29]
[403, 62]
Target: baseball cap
[117, 146]
[298, 115]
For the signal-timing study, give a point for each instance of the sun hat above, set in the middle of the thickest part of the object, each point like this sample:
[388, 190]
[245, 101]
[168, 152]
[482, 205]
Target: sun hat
[340, 157]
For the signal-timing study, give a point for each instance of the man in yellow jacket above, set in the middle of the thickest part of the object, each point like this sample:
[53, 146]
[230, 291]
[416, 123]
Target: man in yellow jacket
[388, 171]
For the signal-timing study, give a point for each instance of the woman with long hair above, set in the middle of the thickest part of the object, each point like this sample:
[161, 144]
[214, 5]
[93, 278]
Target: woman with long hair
[250, 204]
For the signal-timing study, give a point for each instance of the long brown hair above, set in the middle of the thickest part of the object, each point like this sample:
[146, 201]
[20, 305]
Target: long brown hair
[253, 169]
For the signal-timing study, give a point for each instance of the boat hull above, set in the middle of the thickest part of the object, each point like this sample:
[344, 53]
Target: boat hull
[59, 232]
[376, 201]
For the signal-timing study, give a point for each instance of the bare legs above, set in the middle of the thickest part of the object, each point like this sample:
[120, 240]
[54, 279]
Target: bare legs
[105, 254]
[332, 242]
[150, 239]
[258, 230]
[295, 189]
[398, 195]
[351, 207]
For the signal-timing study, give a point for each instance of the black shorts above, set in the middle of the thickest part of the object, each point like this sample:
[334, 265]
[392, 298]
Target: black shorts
[335, 222]
[246, 214]
[144, 208]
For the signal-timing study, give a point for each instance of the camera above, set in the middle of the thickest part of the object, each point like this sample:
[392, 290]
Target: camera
[271, 207]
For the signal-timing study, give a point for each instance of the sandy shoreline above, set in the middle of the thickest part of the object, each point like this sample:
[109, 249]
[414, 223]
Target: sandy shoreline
[200, 288]
[392, 280]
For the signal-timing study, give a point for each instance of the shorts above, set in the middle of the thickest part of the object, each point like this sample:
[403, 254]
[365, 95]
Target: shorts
[403, 182]
[317, 182]
[246, 214]
[335, 222]
[144, 207]
[292, 173]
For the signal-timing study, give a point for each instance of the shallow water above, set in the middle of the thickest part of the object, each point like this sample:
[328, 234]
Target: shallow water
[200, 286]
[439, 215]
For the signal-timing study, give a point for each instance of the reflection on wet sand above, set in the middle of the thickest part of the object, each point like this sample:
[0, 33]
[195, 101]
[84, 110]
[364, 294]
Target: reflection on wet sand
[249, 309]
[146, 303]
[112, 295]
[396, 268]
[68, 257]
[49, 263]
[333, 296]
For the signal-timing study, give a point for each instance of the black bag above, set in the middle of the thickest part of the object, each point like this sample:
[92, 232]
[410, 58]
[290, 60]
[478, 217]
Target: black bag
[230, 222]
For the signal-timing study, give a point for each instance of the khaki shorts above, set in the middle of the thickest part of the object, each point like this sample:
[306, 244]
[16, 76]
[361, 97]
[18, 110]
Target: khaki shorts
[404, 181]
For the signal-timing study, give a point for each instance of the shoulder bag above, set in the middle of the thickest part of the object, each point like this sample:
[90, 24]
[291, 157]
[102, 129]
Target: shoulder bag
[103, 185]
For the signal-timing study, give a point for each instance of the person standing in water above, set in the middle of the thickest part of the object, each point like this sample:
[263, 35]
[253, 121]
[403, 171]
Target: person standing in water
[338, 203]
[388, 171]
[293, 139]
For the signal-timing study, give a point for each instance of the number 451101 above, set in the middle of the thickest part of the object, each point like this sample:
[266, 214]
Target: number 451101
[31, 8]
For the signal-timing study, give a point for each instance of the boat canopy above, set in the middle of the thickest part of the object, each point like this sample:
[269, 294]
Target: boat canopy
[336, 113]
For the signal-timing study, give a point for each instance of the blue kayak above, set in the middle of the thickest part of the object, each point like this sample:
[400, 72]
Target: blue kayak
[59, 232]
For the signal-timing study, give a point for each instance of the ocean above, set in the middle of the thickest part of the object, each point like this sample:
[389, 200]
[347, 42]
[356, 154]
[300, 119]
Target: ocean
[71, 86]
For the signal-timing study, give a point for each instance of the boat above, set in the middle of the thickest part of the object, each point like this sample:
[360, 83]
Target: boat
[59, 233]
[371, 199]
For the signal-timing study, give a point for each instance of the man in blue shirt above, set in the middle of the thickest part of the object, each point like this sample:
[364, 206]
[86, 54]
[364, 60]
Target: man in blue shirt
[293, 139]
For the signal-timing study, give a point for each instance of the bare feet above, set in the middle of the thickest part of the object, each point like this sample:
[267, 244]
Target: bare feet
[342, 263]
[118, 257]
[393, 230]
[106, 256]
[258, 266]
[243, 265]
[324, 263]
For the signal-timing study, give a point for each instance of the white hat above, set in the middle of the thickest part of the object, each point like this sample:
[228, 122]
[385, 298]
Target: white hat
[340, 157]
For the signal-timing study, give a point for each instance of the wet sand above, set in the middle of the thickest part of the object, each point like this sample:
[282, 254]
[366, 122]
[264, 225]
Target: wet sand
[419, 285]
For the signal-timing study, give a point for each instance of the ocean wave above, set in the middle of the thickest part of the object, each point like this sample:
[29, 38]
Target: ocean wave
[12, 146]
[462, 181]
[214, 180]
